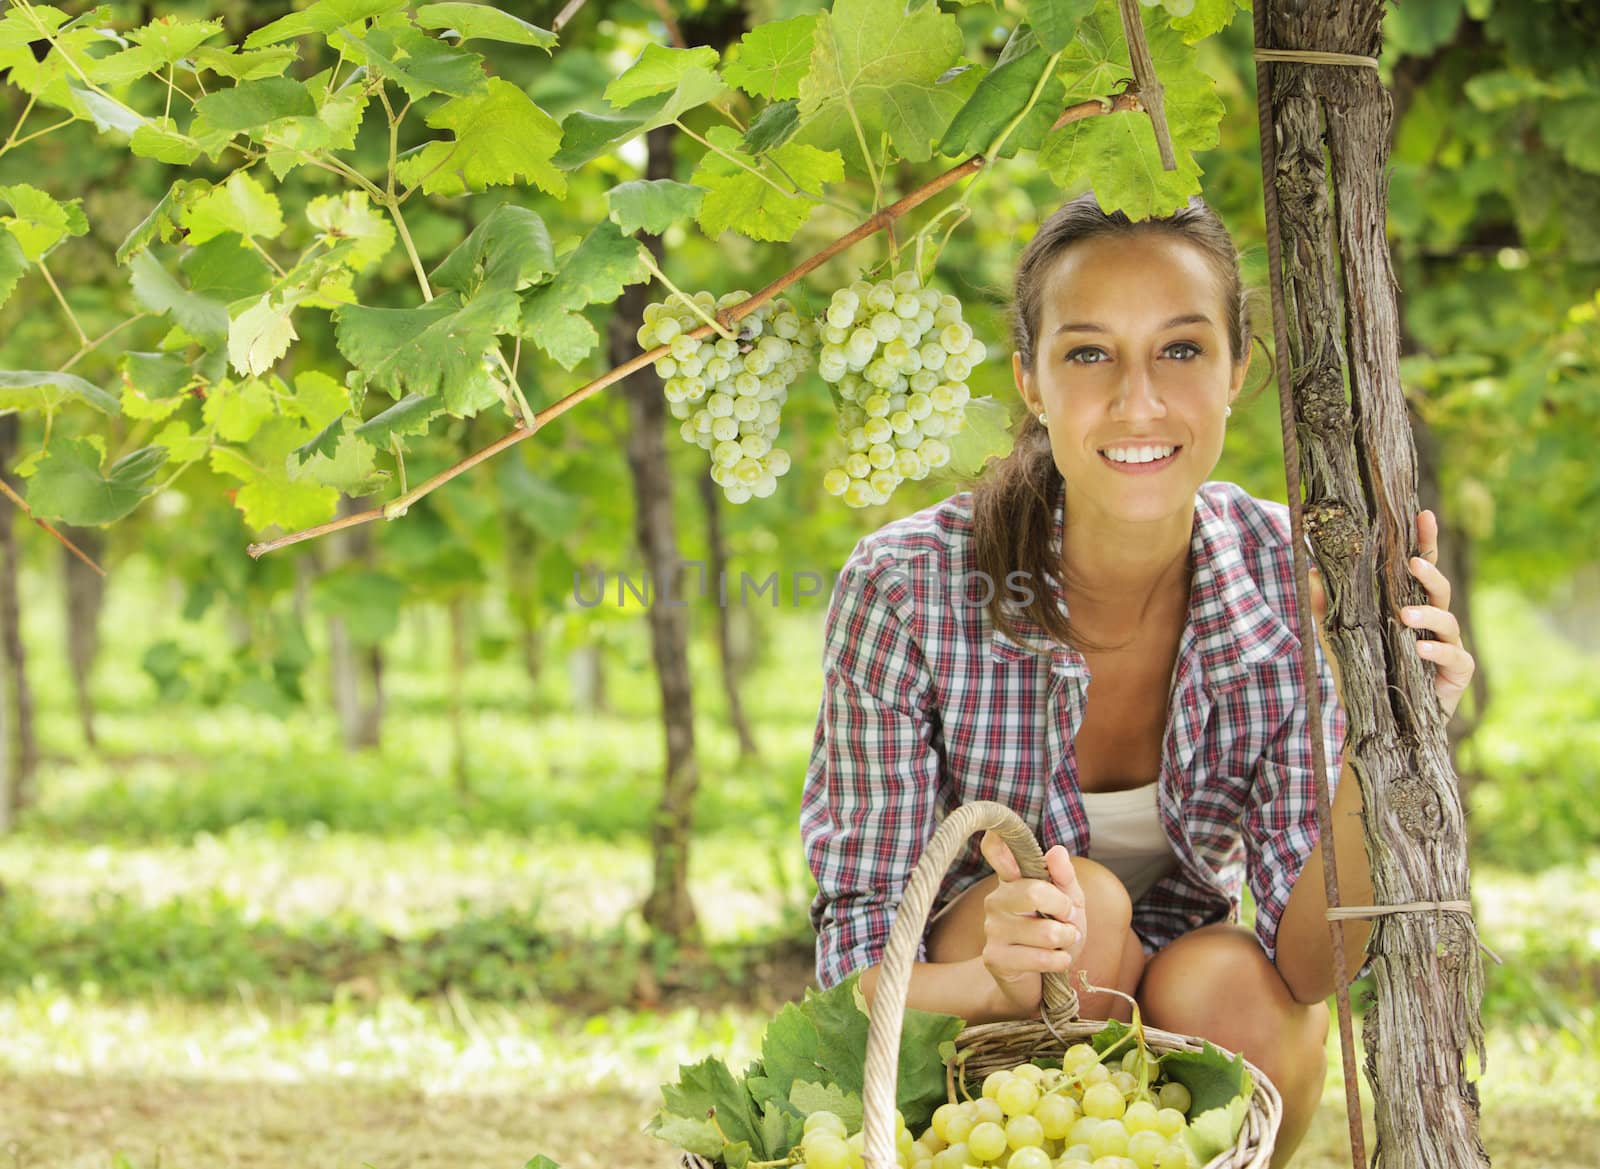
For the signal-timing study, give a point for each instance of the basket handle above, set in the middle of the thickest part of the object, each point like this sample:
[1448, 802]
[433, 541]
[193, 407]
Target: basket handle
[894, 974]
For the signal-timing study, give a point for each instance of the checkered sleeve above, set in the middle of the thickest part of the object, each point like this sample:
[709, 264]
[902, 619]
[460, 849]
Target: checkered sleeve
[867, 808]
[1280, 821]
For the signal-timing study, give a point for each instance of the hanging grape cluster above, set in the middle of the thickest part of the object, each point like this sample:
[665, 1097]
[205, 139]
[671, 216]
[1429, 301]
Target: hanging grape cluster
[729, 392]
[899, 355]
[1081, 1114]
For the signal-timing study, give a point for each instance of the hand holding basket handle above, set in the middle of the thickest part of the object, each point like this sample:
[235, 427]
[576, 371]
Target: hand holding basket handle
[1031, 924]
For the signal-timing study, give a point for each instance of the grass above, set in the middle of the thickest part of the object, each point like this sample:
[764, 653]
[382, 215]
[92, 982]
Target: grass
[228, 942]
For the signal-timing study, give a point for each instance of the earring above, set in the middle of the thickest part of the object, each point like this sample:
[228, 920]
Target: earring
[1227, 411]
[1042, 419]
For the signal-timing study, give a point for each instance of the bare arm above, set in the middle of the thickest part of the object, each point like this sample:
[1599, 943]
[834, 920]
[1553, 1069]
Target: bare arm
[964, 988]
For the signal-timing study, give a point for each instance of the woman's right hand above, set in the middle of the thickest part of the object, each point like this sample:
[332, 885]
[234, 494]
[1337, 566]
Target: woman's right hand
[1030, 927]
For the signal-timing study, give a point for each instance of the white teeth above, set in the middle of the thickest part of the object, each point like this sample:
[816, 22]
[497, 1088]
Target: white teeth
[1138, 454]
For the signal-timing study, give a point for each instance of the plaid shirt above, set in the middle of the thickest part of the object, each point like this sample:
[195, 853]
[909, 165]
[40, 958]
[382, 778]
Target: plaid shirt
[927, 707]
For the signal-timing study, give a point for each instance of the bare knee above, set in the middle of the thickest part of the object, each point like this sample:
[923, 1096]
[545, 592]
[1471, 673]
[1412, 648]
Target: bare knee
[1104, 895]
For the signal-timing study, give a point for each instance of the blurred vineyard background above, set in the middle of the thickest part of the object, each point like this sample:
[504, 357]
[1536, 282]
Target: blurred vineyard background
[340, 856]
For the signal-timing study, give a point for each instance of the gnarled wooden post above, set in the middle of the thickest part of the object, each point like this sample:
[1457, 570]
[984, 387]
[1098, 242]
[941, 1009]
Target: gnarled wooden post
[1359, 467]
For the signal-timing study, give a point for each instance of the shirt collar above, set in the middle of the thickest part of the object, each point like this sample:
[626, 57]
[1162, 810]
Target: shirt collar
[1230, 624]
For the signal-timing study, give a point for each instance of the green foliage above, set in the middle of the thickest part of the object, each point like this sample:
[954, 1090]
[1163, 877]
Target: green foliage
[812, 1056]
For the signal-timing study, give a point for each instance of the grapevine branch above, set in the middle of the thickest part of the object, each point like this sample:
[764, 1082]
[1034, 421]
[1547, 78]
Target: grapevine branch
[1151, 91]
[22, 505]
[727, 317]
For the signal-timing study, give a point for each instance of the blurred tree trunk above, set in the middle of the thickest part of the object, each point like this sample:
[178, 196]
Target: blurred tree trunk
[355, 672]
[22, 748]
[716, 569]
[668, 910]
[86, 592]
[521, 572]
[458, 676]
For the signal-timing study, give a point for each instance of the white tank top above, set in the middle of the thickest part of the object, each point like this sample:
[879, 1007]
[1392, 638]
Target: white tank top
[1126, 836]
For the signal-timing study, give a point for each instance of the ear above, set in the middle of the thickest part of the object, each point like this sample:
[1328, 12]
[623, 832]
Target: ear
[1240, 369]
[1023, 379]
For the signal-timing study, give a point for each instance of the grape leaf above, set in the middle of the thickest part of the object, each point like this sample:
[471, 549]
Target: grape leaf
[420, 64]
[226, 269]
[337, 457]
[410, 415]
[652, 204]
[541, 1162]
[1001, 96]
[238, 409]
[161, 140]
[566, 335]
[26, 389]
[585, 136]
[1208, 18]
[172, 37]
[261, 334]
[1213, 1078]
[182, 446]
[164, 218]
[153, 384]
[876, 64]
[1216, 1129]
[741, 198]
[157, 292]
[68, 485]
[368, 602]
[1571, 126]
[13, 263]
[809, 1098]
[659, 69]
[1116, 154]
[268, 496]
[987, 435]
[325, 16]
[351, 216]
[773, 126]
[40, 222]
[1055, 22]
[600, 267]
[318, 399]
[434, 349]
[107, 113]
[243, 66]
[240, 205]
[773, 57]
[500, 136]
[708, 1087]
[484, 22]
[250, 104]
[509, 249]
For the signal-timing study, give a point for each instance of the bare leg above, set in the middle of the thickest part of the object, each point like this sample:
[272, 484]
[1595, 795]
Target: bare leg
[1217, 983]
[1111, 953]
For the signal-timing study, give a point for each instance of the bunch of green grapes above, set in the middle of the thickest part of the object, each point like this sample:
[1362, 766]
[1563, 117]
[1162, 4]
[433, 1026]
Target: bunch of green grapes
[729, 393]
[1082, 1115]
[900, 355]
[1174, 7]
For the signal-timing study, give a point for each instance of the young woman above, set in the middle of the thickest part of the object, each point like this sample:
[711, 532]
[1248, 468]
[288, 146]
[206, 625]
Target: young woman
[1106, 642]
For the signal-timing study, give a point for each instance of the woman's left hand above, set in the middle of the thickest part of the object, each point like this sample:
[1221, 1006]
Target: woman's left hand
[1454, 666]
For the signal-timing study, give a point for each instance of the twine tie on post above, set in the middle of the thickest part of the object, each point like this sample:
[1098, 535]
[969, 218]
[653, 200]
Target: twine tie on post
[1316, 57]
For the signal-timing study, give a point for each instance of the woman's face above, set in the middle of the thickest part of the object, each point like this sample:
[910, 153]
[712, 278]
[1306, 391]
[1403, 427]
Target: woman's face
[1133, 373]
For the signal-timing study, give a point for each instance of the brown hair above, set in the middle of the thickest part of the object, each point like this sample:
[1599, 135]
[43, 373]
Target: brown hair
[1014, 499]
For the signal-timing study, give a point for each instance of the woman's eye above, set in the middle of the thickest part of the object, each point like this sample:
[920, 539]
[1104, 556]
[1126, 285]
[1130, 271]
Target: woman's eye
[1183, 350]
[1087, 355]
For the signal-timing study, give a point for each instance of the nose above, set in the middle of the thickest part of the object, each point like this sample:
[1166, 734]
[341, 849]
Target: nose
[1137, 397]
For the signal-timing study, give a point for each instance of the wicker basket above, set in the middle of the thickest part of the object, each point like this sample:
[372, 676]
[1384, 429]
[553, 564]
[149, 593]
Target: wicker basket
[987, 1047]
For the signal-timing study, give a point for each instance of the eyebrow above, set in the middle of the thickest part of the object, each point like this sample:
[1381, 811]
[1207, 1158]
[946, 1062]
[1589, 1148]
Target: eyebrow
[1091, 327]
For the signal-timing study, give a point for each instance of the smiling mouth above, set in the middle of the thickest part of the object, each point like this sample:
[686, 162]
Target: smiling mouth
[1144, 455]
